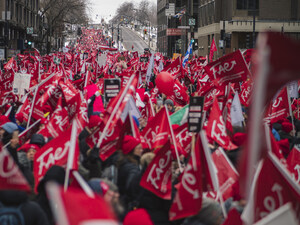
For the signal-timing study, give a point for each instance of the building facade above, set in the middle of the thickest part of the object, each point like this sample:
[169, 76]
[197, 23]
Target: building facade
[20, 26]
[234, 24]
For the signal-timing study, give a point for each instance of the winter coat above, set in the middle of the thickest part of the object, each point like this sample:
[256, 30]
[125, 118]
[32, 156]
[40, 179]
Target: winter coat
[32, 212]
[127, 171]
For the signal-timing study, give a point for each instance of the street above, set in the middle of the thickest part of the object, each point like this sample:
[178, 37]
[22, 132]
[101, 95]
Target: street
[131, 38]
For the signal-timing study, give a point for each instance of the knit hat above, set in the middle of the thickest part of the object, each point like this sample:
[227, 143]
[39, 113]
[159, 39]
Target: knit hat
[3, 119]
[28, 146]
[9, 127]
[137, 217]
[239, 138]
[20, 117]
[37, 139]
[98, 186]
[284, 146]
[129, 143]
[169, 102]
[94, 121]
[287, 127]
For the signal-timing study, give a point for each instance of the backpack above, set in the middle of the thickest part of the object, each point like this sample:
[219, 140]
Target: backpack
[10, 215]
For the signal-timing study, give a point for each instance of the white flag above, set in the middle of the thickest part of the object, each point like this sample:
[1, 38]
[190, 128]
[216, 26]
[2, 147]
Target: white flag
[236, 111]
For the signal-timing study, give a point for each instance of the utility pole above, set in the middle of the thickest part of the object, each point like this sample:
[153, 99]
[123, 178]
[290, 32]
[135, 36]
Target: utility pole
[6, 30]
[254, 14]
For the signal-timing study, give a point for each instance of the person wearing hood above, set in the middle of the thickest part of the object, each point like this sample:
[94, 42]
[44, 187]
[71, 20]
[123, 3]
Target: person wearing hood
[31, 211]
[9, 137]
[128, 168]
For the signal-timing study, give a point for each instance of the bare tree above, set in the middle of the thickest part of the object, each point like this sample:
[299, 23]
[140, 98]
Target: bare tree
[57, 13]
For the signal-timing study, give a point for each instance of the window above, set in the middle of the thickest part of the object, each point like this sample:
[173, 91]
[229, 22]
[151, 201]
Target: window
[247, 4]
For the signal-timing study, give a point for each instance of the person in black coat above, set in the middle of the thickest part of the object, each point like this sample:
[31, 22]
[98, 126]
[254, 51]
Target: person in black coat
[56, 174]
[128, 168]
[32, 212]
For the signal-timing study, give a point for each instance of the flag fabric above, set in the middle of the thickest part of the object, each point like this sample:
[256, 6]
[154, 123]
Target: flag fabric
[11, 176]
[213, 48]
[293, 164]
[55, 152]
[180, 117]
[188, 199]
[272, 188]
[216, 129]
[157, 177]
[236, 111]
[276, 65]
[157, 131]
[230, 68]
[188, 53]
[67, 207]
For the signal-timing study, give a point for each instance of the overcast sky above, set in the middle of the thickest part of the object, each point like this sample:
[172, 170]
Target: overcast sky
[106, 8]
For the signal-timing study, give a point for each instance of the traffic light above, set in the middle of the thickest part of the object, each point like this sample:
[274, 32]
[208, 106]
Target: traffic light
[195, 45]
[145, 31]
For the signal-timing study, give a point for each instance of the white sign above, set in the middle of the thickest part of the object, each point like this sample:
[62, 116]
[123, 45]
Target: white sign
[2, 54]
[102, 59]
[183, 27]
[171, 10]
[21, 82]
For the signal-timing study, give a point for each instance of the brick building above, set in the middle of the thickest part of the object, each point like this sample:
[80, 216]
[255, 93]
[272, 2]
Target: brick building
[21, 14]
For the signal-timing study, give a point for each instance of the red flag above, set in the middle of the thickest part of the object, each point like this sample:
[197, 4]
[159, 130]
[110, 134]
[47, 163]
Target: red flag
[157, 130]
[10, 175]
[55, 152]
[227, 174]
[183, 138]
[233, 218]
[180, 95]
[293, 162]
[216, 129]
[157, 177]
[174, 68]
[276, 65]
[279, 109]
[188, 199]
[230, 68]
[272, 188]
[213, 48]
[245, 94]
[67, 207]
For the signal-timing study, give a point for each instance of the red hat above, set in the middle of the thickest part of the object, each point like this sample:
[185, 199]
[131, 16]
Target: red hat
[138, 217]
[28, 146]
[287, 127]
[129, 143]
[151, 85]
[47, 108]
[3, 119]
[239, 138]
[43, 121]
[284, 146]
[146, 97]
[20, 117]
[94, 121]
[154, 100]
[104, 187]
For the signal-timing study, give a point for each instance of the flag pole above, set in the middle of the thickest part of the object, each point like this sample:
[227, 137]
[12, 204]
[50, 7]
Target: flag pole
[291, 112]
[114, 111]
[71, 154]
[174, 141]
[31, 109]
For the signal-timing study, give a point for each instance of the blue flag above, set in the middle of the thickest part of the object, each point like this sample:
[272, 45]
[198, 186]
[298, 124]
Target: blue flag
[188, 52]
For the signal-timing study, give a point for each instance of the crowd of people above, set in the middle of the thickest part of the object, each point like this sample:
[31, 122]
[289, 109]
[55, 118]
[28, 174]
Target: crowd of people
[66, 89]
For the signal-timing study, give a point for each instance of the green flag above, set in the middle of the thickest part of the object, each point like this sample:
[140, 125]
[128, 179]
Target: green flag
[180, 117]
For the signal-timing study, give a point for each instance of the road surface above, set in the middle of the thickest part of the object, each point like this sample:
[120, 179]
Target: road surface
[131, 38]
